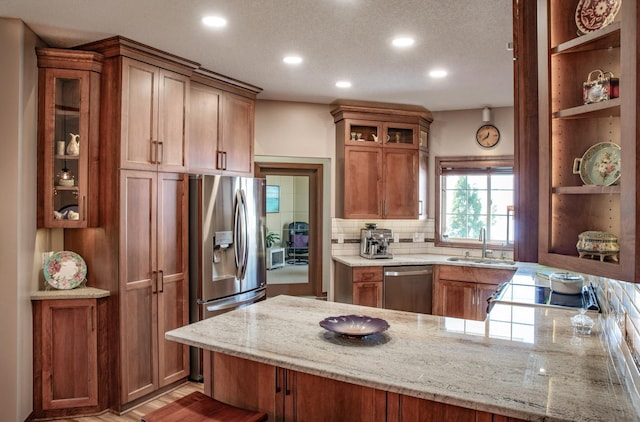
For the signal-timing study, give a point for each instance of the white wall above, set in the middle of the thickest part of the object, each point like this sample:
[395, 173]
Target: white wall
[20, 240]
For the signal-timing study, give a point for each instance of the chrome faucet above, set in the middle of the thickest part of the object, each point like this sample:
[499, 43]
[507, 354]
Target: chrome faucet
[483, 239]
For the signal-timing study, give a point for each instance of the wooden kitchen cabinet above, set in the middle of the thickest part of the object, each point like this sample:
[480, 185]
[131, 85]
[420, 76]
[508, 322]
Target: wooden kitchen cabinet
[358, 285]
[568, 128]
[140, 251]
[462, 292]
[382, 155]
[153, 281]
[154, 110]
[69, 356]
[68, 115]
[221, 125]
[287, 395]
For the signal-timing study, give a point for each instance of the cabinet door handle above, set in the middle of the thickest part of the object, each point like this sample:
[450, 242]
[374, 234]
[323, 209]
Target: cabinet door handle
[161, 154]
[93, 327]
[154, 282]
[287, 390]
[219, 160]
[224, 160]
[84, 208]
[161, 288]
[278, 389]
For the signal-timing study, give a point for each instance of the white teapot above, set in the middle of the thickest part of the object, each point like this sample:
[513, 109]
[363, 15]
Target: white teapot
[74, 145]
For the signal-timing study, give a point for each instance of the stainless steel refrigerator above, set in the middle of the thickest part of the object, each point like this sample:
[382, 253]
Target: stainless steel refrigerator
[226, 246]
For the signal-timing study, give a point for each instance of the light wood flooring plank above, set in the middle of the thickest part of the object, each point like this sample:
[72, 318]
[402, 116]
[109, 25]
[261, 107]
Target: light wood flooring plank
[138, 412]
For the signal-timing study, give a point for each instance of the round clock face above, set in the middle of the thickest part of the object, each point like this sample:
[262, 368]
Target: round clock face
[487, 136]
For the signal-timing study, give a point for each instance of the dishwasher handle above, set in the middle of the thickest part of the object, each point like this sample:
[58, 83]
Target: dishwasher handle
[391, 273]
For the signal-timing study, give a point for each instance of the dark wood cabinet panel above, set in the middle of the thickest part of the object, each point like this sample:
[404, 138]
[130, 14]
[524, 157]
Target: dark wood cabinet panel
[154, 110]
[400, 173]
[203, 128]
[362, 182]
[68, 356]
[382, 160]
[358, 285]
[368, 294]
[68, 112]
[154, 280]
[462, 292]
[235, 146]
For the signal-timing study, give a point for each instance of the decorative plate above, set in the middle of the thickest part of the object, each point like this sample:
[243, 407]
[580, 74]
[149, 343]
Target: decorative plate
[354, 325]
[592, 15]
[65, 270]
[600, 165]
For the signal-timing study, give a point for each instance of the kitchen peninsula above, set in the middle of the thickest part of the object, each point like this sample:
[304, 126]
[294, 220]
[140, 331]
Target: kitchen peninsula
[521, 362]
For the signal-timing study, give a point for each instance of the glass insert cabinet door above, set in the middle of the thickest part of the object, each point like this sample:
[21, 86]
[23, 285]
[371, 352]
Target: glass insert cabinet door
[65, 148]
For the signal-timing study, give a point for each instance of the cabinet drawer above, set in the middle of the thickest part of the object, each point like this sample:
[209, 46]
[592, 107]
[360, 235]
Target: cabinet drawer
[367, 274]
[474, 274]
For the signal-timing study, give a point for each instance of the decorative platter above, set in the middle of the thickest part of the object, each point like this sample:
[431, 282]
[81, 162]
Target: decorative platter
[592, 15]
[600, 165]
[354, 325]
[65, 270]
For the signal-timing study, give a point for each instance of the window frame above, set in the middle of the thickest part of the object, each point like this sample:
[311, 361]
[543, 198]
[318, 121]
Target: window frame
[468, 163]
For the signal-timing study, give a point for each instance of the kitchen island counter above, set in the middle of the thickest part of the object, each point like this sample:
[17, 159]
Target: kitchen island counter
[523, 362]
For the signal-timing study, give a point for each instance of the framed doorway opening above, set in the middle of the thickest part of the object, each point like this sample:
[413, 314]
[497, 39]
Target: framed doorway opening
[301, 275]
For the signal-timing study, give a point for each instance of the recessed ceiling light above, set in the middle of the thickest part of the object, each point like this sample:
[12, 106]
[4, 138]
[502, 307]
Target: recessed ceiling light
[343, 84]
[214, 21]
[438, 73]
[403, 42]
[292, 60]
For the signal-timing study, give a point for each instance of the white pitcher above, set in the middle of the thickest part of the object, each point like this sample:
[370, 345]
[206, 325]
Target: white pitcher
[74, 145]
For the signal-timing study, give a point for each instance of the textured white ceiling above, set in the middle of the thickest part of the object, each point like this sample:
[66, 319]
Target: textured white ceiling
[338, 39]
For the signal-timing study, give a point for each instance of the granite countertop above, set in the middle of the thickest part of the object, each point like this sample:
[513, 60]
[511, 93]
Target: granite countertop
[421, 259]
[79, 293]
[523, 362]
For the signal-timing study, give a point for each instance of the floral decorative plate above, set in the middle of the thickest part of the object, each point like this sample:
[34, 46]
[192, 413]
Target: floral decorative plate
[592, 15]
[65, 270]
[354, 325]
[600, 165]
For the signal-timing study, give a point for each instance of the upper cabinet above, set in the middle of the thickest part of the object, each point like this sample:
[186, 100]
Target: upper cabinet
[587, 184]
[382, 154]
[221, 125]
[68, 116]
[154, 109]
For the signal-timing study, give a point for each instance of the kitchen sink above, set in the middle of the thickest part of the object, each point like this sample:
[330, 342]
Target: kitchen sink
[488, 261]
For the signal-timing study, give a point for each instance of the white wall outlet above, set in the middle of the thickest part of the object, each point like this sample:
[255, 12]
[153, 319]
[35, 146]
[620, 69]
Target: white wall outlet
[340, 238]
[396, 238]
[418, 237]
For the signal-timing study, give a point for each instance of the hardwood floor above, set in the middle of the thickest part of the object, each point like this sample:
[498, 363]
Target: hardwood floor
[137, 413]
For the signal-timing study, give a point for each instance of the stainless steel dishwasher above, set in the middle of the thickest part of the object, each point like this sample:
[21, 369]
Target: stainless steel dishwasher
[408, 288]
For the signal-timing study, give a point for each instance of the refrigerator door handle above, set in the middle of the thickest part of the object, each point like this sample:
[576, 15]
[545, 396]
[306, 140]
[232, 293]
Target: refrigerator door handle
[230, 303]
[241, 245]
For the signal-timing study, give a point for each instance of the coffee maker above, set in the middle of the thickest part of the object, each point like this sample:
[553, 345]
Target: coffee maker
[374, 242]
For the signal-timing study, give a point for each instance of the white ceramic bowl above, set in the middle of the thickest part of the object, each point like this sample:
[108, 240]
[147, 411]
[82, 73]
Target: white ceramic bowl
[566, 283]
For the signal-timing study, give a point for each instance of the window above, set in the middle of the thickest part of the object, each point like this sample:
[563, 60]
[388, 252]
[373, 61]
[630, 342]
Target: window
[474, 193]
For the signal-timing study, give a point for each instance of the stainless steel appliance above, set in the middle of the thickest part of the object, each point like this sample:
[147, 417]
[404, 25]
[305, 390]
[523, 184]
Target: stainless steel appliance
[408, 288]
[226, 246]
[374, 242]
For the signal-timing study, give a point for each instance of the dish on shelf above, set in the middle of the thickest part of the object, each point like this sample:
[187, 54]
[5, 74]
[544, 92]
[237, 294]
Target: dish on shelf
[354, 325]
[600, 164]
[592, 15]
[65, 270]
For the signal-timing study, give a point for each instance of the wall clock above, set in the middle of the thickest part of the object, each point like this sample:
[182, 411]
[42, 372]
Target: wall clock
[487, 136]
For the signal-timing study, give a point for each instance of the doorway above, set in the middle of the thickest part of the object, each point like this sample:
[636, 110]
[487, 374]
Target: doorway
[294, 214]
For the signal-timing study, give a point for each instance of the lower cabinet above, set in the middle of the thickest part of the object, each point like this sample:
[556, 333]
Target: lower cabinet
[287, 395]
[69, 357]
[462, 292]
[358, 285]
